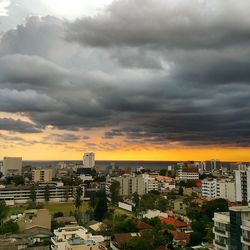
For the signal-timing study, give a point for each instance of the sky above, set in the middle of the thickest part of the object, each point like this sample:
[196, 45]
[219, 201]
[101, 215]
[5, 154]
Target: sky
[126, 79]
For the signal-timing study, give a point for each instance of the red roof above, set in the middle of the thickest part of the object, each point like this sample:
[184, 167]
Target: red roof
[198, 183]
[179, 235]
[140, 225]
[174, 222]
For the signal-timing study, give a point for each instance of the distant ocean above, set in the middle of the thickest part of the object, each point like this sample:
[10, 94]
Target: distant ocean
[122, 164]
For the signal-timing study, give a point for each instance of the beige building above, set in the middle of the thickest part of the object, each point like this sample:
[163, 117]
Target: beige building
[35, 218]
[42, 175]
[12, 166]
[131, 184]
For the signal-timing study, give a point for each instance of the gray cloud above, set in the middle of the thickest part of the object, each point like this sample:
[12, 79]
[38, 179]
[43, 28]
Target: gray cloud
[154, 71]
[166, 24]
[18, 126]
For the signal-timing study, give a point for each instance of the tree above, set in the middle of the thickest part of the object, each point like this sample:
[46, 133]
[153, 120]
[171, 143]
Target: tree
[46, 193]
[136, 199]
[19, 180]
[3, 211]
[162, 204]
[33, 193]
[217, 205]
[195, 238]
[100, 209]
[66, 194]
[115, 191]
[9, 227]
[58, 214]
[78, 198]
[163, 172]
[181, 190]
[244, 203]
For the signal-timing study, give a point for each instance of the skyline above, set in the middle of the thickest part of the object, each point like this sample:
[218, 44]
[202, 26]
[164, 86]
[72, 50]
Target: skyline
[126, 79]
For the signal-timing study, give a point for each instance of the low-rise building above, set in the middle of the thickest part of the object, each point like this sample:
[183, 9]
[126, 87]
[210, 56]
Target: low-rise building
[63, 239]
[34, 218]
[19, 195]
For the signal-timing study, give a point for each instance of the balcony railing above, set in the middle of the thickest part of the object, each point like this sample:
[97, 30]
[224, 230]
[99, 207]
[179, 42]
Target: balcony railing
[220, 230]
[223, 244]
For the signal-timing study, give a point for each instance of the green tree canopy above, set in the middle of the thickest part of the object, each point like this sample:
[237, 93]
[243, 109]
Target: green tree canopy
[3, 211]
[115, 191]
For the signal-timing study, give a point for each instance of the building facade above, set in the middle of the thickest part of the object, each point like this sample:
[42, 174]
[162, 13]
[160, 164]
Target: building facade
[21, 195]
[64, 238]
[12, 166]
[188, 171]
[214, 189]
[232, 229]
[242, 184]
[89, 160]
[42, 175]
[131, 184]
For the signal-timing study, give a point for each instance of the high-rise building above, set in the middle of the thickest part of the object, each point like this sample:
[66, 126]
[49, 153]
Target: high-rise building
[89, 160]
[12, 166]
[242, 185]
[232, 229]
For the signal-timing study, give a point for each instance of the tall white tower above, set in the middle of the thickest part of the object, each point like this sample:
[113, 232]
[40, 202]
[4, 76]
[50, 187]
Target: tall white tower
[89, 160]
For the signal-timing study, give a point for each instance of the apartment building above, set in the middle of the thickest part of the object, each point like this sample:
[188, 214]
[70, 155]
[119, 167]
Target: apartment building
[151, 183]
[12, 166]
[42, 175]
[214, 189]
[67, 237]
[242, 184]
[232, 229]
[188, 171]
[131, 184]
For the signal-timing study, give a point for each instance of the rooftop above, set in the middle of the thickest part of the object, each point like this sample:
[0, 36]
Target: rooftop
[240, 209]
[174, 222]
[80, 241]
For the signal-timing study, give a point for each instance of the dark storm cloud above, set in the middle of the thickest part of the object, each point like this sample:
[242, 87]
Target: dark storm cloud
[30, 69]
[166, 24]
[154, 71]
[18, 126]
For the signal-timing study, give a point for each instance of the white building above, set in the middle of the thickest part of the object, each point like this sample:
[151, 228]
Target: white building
[242, 184]
[154, 213]
[214, 189]
[208, 189]
[64, 237]
[89, 160]
[12, 166]
[150, 183]
[221, 231]
[232, 229]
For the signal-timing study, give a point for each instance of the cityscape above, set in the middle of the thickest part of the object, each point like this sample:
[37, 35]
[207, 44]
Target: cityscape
[124, 125]
[82, 205]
